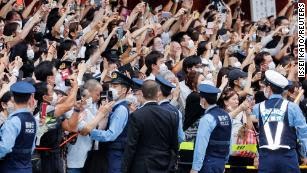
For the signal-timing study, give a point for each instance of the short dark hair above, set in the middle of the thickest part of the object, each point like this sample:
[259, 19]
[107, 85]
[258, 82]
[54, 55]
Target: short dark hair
[210, 98]
[150, 89]
[166, 91]
[5, 98]
[65, 46]
[41, 89]
[260, 57]
[10, 28]
[43, 70]
[10, 15]
[189, 62]
[151, 59]
[201, 48]
[279, 20]
[21, 98]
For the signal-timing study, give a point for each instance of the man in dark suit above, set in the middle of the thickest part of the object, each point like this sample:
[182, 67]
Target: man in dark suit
[152, 136]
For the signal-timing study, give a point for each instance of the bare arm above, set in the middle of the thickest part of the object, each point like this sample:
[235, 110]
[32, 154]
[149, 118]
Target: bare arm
[28, 9]
[284, 10]
[168, 6]
[6, 8]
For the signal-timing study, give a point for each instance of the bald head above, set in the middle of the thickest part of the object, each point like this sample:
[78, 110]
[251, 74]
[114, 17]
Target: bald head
[150, 90]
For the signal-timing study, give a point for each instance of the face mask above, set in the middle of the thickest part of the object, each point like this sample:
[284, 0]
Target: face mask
[163, 68]
[190, 44]
[237, 64]
[211, 53]
[30, 54]
[209, 76]
[272, 66]
[89, 102]
[54, 99]
[19, 23]
[199, 70]
[10, 109]
[266, 94]
[285, 31]
[243, 83]
[114, 93]
[72, 55]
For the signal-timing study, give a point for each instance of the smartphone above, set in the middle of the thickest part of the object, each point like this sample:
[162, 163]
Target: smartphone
[79, 96]
[43, 113]
[225, 38]
[65, 74]
[120, 33]
[250, 98]
[210, 25]
[72, 7]
[110, 96]
[103, 96]
[67, 82]
[166, 14]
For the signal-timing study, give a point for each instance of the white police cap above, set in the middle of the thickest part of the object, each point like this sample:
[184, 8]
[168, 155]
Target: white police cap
[276, 78]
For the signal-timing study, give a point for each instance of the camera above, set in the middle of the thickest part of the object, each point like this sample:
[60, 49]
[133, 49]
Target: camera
[67, 82]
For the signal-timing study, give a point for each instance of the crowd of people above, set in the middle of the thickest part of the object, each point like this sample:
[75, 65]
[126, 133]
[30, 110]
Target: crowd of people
[91, 86]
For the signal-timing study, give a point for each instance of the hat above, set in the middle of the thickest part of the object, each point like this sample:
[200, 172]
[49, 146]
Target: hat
[236, 74]
[64, 65]
[119, 78]
[207, 89]
[164, 82]
[22, 88]
[276, 78]
[138, 83]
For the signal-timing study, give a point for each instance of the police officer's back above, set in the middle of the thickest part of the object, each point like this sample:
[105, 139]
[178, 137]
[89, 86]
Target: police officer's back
[281, 122]
[213, 135]
[152, 136]
[18, 133]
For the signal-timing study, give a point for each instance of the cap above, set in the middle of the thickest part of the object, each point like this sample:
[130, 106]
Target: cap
[236, 74]
[276, 78]
[22, 88]
[119, 78]
[64, 64]
[164, 82]
[138, 83]
[207, 89]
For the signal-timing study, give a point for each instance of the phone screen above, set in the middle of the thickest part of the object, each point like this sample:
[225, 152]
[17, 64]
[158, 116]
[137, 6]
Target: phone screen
[65, 74]
[43, 111]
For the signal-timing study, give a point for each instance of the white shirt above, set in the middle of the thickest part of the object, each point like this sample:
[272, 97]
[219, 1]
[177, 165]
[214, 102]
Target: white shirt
[184, 93]
[77, 153]
[151, 77]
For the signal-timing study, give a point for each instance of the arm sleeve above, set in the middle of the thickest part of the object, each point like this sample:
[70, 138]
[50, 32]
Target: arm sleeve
[265, 40]
[205, 128]
[297, 119]
[8, 134]
[256, 111]
[134, 131]
[181, 136]
[118, 122]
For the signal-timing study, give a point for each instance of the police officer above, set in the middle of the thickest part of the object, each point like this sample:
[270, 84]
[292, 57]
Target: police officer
[115, 133]
[280, 123]
[164, 98]
[213, 135]
[18, 132]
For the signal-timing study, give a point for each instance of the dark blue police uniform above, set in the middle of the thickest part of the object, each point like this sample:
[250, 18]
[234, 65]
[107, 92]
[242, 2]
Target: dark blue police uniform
[17, 136]
[213, 136]
[281, 123]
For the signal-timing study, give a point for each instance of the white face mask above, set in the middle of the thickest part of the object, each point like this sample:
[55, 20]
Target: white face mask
[72, 55]
[266, 93]
[10, 109]
[237, 64]
[199, 70]
[30, 54]
[89, 102]
[19, 23]
[211, 53]
[114, 93]
[272, 66]
[163, 68]
[190, 44]
[243, 83]
[285, 31]
[209, 76]
[54, 99]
